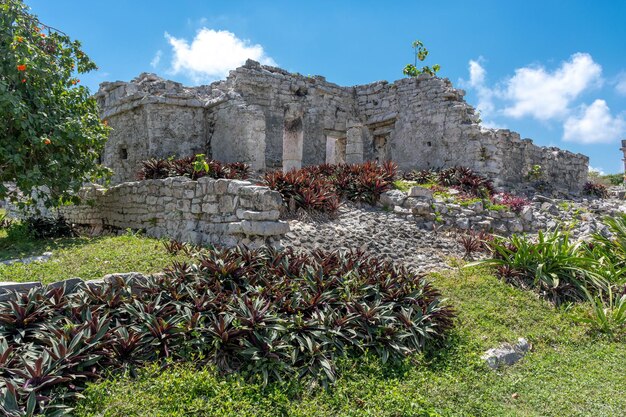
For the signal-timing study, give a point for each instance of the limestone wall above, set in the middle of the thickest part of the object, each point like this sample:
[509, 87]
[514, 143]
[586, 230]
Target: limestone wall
[152, 117]
[207, 211]
[311, 104]
[428, 124]
[273, 119]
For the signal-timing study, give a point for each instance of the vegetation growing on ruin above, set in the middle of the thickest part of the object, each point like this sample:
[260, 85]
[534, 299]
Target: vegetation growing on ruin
[194, 167]
[469, 187]
[564, 270]
[596, 189]
[420, 53]
[322, 187]
[573, 368]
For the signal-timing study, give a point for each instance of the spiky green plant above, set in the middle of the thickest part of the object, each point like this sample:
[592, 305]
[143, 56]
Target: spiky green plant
[608, 314]
[553, 264]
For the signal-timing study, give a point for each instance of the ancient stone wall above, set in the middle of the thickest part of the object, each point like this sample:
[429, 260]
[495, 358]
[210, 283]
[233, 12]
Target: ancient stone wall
[152, 118]
[273, 119]
[424, 122]
[207, 211]
[300, 112]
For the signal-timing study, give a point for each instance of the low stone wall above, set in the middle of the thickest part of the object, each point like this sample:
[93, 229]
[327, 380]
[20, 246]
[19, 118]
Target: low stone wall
[431, 213]
[207, 211]
[134, 279]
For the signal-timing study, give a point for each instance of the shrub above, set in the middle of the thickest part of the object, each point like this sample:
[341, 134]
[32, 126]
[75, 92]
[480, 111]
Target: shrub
[193, 167]
[610, 251]
[614, 179]
[608, 314]
[554, 265]
[461, 178]
[595, 189]
[40, 228]
[303, 189]
[423, 176]
[320, 187]
[514, 203]
[264, 313]
[154, 169]
[473, 242]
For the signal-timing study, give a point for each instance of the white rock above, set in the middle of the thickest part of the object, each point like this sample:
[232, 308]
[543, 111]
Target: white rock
[392, 198]
[506, 354]
[420, 192]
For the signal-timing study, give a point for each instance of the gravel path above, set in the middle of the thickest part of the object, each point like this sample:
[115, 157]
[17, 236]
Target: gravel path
[377, 232]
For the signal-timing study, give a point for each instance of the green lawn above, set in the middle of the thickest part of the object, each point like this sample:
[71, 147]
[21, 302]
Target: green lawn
[87, 258]
[569, 372]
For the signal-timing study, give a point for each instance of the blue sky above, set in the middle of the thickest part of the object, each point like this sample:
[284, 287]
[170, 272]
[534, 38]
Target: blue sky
[554, 71]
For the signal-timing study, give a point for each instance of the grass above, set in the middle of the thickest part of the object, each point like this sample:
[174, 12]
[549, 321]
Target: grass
[569, 371]
[404, 186]
[84, 257]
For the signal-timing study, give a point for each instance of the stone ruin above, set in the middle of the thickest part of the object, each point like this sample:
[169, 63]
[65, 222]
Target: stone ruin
[272, 119]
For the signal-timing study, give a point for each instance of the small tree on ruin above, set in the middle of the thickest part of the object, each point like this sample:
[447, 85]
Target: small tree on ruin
[421, 53]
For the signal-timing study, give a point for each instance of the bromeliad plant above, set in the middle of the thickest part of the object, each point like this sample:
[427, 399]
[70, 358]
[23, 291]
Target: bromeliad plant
[608, 313]
[596, 189]
[194, 167]
[469, 184]
[563, 269]
[321, 187]
[553, 265]
[267, 314]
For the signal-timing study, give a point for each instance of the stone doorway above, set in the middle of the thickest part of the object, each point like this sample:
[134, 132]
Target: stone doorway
[381, 148]
[335, 150]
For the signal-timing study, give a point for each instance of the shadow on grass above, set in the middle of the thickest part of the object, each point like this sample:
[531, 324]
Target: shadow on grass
[18, 246]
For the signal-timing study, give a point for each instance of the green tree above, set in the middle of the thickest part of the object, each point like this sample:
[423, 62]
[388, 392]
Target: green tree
[50, 131]
[421, 53]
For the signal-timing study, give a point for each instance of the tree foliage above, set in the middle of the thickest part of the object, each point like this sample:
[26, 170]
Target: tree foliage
[50, 131]
[421, 53]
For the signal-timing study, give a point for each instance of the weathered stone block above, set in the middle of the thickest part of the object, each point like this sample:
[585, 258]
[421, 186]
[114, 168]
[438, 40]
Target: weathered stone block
[420, 192]
[183, 205]
[207, 185]
[258, 215]
[264, 228]
[235, 185]
[221, 186]
[226, 204]
[210, 208]
[267, 200]
[392, 198]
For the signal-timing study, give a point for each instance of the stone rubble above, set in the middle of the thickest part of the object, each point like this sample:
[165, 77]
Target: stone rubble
[581, 216]
[376, 232]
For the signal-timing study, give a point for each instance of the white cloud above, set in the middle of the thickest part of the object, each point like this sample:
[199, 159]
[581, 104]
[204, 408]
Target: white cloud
[537, 92]
[157, 58]
[594, 124]
[621, 83]
[477, 82]
[212, 53]
[598, 170]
